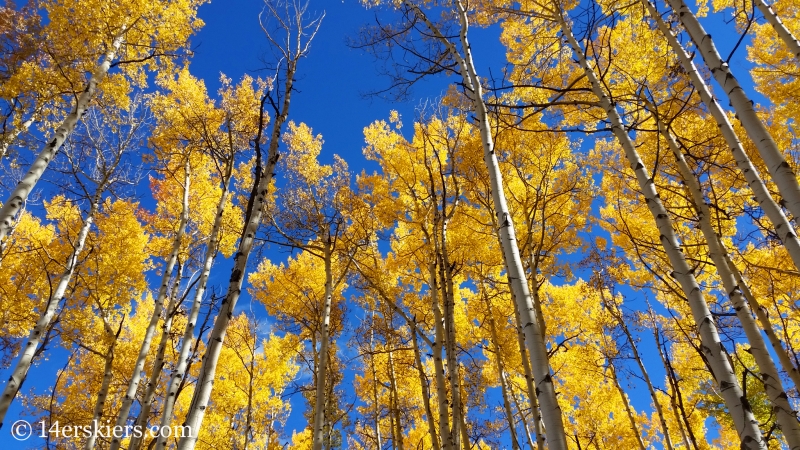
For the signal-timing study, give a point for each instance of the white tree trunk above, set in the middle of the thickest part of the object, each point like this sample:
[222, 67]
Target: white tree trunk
[786, 416]
[205, 382]
[783, 228]
[501, 376]
[780, 170]
[158, 365]
[551, 411]
[322, 367]
[188, 336]
[627, 405]
[8, 139]
[144, 349]
[438, 365]
[731, 392]
[20, 194]
[786, 36]
[99, 405]
[39, 331]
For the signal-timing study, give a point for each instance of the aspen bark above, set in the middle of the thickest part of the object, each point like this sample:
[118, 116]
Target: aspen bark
[144, 349]
[448, 442]
[627, 405]
[659, 410]
[786, 416]
[426, 395]
[182, 365]
[205, 382]
[155, 373]
[377, 417]
[9, 138]
[99, 405]
[783, 229]
[36, 337]
[20, 193]
[322, 368]
[786, 36]
[746, 425]
[675, 397]
[394, 403]
[779, 169]
[501, 376]
[551, 411]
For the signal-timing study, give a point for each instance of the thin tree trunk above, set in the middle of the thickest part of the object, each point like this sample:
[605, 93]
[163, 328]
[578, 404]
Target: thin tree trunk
[783, 229]
[99, 405]
[20, 194]
[322, 368]
[37, 335]
[659, 410]
[394, 403]
[377, 416]
[524, 421]
[551, 411]
[261, 183]
[438, 365]
[158, 365]
[786, 36]
[746, 425]
[188, 336]
[144, 349]
[501, 376]
[627, 405]
[675, 398]
[786, 416]
[781, 172]
[426, 395]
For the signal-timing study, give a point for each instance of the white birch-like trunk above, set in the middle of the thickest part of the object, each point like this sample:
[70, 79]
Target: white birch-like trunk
[627, 405]
[659, 410]
[158, 365]
[783, 229]
[501, 376]
[438, 365]
[781, 172]
[746, 425]
[322, 367]
[786, 416]
[20, 372]
[205, 382]
[786, 36]
[551, 411]
[20, 194]
[188, 336]
[144, 349]
[99, 405]
[426, 395]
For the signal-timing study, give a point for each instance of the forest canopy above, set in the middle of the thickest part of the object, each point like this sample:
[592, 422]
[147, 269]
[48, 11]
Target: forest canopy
[587, 239]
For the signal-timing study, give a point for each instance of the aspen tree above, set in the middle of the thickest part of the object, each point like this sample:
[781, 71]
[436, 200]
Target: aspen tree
[294, 49]
[746, 425]
[717, 252]
[551, 411]
[147, 30]
[109, 152]
[780, 170]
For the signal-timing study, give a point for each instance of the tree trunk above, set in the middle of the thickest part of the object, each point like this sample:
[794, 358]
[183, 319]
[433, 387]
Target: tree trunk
[37, 335]
[746, 425]
[322, 368]
[659, 410]
[188, 336]
[261, 183]
[9, 138]
[551, 411]
[377, 416]
[144, 349]
[786, 36]
[780, 170]
[394, 403]
[783, 228]
[786, 416]
[501, 376]
[627, 405]
[675, 397]
[20, 194]
[99, 405]
[426, 395]
[158, 366]
[438, 365]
